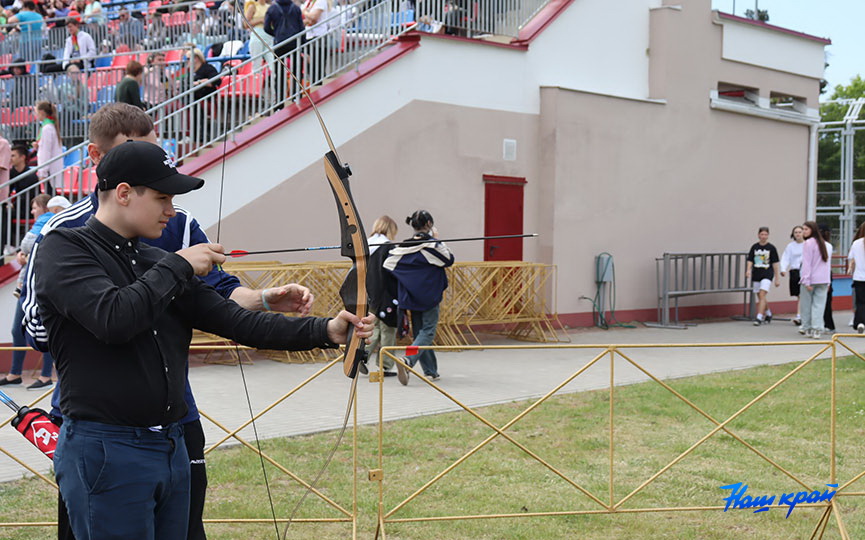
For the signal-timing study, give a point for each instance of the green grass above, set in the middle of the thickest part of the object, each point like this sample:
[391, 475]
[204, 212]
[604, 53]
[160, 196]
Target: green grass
[571, 432]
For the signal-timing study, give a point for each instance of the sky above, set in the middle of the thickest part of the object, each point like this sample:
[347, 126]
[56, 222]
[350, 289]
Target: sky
[839, 20]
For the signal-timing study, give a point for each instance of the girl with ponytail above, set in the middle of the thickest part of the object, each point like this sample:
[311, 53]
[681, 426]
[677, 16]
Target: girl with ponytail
[814, 278]
[48, 146]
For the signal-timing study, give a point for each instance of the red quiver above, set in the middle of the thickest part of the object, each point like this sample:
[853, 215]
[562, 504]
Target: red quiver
[37, 427]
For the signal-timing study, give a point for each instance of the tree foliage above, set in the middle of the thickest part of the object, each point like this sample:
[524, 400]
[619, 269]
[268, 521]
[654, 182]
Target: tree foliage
[829, 150]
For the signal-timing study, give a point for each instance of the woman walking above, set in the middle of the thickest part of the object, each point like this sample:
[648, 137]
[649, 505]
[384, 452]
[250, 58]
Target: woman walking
[791, 261]
[382, 291]
[856, 267]
[814, 278]
[419, 265]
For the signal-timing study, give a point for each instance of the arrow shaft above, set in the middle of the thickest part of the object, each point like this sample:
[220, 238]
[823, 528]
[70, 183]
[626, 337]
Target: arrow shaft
[408, 242]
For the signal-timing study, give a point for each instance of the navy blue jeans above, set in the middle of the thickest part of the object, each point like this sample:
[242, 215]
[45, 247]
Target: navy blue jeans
[423, 328]
[123, 483]
[18, 340]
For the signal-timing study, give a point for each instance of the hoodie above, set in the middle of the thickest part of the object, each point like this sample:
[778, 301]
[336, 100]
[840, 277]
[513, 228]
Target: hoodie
[420, 271]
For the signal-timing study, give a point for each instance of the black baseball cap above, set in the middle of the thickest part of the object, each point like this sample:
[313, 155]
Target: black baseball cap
[140, 163]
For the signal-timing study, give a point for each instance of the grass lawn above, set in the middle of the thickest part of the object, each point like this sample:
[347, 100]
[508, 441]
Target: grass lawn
[571, 432]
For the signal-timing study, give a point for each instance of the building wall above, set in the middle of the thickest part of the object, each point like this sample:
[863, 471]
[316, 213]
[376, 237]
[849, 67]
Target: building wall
[616, 138]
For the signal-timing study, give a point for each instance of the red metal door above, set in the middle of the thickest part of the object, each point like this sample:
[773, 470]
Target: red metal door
[503, 214]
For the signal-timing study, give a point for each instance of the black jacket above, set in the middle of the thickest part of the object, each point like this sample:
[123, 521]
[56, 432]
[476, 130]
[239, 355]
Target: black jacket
[382, 288]
[283, 20]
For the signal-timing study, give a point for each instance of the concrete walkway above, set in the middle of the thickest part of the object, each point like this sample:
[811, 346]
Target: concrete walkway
[474, 377]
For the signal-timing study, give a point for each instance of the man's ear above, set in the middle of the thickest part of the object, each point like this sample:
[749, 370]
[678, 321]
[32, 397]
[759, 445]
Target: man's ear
[122, 193]
[94, 153]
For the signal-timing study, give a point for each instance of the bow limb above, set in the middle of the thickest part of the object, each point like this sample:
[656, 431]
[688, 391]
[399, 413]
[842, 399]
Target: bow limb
[354, 246]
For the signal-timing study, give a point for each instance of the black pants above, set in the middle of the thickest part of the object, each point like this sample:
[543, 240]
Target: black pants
[859, 298]
[828, 320]
[194, 437]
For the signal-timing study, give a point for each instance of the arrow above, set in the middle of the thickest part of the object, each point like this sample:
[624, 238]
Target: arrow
[242, 253]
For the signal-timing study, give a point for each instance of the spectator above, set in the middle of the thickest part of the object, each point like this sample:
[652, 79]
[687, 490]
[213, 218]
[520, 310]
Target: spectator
[49, 146]
[39, 209]
[130, 31]
[315, 13]
[157, 32]
[255, 12]
[828, 319]
[791, 261]
[73, 94]
[93, 12]
[204, 86]
[21, 92]
[856, 267]
[284, 21]
[5, 169]
[154, 84]
[203, 73]
[419, 268]
[22, 175]
[762, 267]
[80, 47]
[382, 291]
[815, 277]
[128, 90]
[30, 25]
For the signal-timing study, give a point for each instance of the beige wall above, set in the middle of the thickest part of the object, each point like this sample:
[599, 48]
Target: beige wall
[631, 177]
[426, 155]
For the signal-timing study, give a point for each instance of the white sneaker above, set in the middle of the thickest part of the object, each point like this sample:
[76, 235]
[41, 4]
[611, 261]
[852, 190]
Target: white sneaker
[802, 331]
[860, 328]
[815, 334]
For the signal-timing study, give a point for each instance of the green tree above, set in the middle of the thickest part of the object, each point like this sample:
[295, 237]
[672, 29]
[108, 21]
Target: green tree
[829, 162]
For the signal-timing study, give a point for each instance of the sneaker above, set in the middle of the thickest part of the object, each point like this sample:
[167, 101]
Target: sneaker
[432, 378]
[803, 332]
[797, 321]
[40, 385]
[388, 374]
[4, 381]
[362, 368]
[860, 328]
[402, 372]
[768, 318]
[815, 334]
[757, 322]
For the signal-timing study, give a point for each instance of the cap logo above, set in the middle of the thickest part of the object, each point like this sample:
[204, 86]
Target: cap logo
[169, 161]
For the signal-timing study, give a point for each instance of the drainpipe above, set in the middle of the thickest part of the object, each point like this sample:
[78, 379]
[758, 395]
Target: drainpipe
[811, 198]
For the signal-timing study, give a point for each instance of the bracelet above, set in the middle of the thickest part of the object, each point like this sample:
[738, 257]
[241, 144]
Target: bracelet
[264, 300]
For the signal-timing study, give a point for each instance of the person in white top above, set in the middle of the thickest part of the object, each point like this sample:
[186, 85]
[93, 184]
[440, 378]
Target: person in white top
[315, 17]
[791, 261]
[80, 47]
[49, 146]
[856, 267]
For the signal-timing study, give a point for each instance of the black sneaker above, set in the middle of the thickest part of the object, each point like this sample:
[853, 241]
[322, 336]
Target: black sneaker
[4, 381]
[388, 373]
[362, 368]
[757, 322]
[768, 318]
[40, 385]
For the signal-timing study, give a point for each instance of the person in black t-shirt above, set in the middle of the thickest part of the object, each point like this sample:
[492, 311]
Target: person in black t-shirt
[763, 268]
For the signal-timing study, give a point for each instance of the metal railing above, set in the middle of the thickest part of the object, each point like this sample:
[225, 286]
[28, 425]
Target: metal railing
[249, 89]
[345, 506]
[469, 18]
[689, 274]
[189, 117]
[78, 94]
[147, 28]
